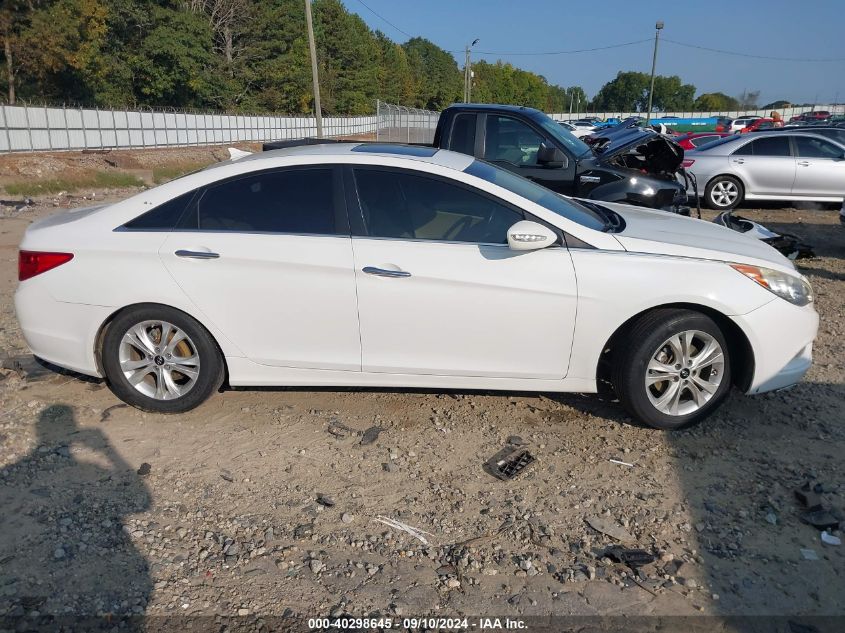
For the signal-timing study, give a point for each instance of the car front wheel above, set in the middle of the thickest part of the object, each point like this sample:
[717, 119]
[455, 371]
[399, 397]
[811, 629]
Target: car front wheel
[723, 193]
[675, 371]
[159, 359]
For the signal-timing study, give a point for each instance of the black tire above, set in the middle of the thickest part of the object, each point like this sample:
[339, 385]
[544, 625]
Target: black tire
[211, 369]
[644, 340]
[711, 193]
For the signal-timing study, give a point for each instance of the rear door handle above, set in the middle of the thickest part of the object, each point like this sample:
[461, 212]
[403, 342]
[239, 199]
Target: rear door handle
[739, 161]
[804, 163]
[382, 272]
[196, 254]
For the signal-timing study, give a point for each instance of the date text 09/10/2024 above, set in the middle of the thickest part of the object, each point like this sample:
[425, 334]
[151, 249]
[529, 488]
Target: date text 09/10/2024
[414, 624]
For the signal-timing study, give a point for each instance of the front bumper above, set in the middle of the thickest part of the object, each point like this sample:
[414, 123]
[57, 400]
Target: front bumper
[781, 337]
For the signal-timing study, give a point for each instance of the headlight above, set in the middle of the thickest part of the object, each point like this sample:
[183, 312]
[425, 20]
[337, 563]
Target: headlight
[796, 290]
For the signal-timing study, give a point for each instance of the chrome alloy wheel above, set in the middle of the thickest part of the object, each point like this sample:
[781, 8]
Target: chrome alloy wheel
[724, 193]
[684, 372]
[159, 360]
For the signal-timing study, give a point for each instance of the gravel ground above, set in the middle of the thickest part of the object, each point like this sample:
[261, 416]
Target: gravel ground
[266, 501]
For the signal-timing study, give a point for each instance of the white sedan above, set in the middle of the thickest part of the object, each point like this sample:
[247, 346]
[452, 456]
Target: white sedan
[389, 265]
[578, 131]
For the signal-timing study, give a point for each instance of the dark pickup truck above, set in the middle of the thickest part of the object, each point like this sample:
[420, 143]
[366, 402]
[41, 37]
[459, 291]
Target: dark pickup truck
[624, 164]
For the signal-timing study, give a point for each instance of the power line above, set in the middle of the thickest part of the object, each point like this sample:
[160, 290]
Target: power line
[569, 52]
[384, 19]
[751, 55]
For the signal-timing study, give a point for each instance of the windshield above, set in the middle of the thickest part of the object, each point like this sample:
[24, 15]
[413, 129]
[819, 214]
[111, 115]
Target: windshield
[567, 139]
[546, 198]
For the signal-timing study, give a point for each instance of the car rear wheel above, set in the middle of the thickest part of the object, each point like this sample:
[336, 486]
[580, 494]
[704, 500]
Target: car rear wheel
[723, 193]
[675, 372]
[159, 359]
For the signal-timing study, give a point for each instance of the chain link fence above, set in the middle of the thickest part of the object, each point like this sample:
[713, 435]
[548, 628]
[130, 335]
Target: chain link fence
[31, 128]
[400, 124]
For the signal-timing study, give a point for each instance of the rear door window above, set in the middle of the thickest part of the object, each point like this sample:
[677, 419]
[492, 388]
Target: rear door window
[768, 146]
[279, 201]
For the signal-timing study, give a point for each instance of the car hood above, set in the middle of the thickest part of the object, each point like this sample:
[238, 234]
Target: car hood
[662, 233]
[661, 153]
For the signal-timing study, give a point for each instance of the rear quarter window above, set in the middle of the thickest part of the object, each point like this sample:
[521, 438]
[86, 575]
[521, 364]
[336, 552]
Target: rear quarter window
[164, 217]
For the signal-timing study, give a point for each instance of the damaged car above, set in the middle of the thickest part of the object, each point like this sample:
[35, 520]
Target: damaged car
[632, 165]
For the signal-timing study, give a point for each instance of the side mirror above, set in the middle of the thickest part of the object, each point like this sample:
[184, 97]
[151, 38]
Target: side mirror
[551, 156]
[526, 235]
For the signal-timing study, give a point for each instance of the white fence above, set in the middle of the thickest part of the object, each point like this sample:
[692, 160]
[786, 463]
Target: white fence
[40, 128]
[733, 114]
[29, 128]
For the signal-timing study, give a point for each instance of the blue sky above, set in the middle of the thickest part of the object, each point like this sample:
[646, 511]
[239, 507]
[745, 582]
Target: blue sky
[776, 28]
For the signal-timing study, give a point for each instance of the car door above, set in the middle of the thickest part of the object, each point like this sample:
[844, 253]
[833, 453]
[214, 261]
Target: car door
[440, 292]
[513, 144]
[766, 166]
[820, 167]
[267, 258]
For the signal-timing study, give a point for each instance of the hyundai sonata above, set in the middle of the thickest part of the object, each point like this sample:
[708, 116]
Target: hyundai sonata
[386, 265]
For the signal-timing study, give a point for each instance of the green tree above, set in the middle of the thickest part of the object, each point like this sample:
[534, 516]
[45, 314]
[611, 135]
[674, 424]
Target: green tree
[396, 79]
[437, 80]
[715, 101]
[348, 56]
[628, 92]
[173, 58]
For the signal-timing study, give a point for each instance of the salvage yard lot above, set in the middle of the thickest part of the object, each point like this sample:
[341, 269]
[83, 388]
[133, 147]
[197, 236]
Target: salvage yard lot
[106, 509]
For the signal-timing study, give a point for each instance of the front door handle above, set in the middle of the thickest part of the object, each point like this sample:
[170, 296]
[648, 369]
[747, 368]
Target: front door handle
[197, 254]
[804, 163]
[382, 272]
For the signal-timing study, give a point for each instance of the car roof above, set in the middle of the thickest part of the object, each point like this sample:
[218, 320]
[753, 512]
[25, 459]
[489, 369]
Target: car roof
[422, 153]
[493, 107]
[730, 142]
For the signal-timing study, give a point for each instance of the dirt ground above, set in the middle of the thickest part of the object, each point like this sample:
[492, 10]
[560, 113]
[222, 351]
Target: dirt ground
[267, 502]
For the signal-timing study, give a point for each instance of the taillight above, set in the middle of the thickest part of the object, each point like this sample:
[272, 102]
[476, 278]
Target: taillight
[687, 163]
[32, 263]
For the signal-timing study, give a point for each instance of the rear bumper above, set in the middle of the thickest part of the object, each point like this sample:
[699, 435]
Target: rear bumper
[61, 333]
[781, 337]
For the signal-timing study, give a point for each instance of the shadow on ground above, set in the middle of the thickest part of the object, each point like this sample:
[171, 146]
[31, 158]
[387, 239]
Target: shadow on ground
[73, 480]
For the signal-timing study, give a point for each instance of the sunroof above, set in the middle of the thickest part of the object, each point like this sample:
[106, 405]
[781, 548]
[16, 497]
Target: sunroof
[404, 150]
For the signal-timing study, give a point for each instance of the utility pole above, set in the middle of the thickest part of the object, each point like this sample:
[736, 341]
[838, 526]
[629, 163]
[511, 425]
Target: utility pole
[468, 72]
[658, 27]
[317, 111]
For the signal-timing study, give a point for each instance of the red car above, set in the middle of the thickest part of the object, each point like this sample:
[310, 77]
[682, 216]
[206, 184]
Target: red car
[691, 140]
[815, 115]
[761, 124]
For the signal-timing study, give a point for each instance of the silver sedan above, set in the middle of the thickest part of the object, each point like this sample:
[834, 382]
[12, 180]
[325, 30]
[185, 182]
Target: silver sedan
[768, 166]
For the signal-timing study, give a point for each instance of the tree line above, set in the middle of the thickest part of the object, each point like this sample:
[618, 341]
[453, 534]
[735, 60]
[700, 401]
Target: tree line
[252, 56]
[235, 55]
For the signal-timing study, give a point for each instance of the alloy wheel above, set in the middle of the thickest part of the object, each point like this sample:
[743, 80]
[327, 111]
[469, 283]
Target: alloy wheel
[159, 360]
[724, 193]
[685, 372]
